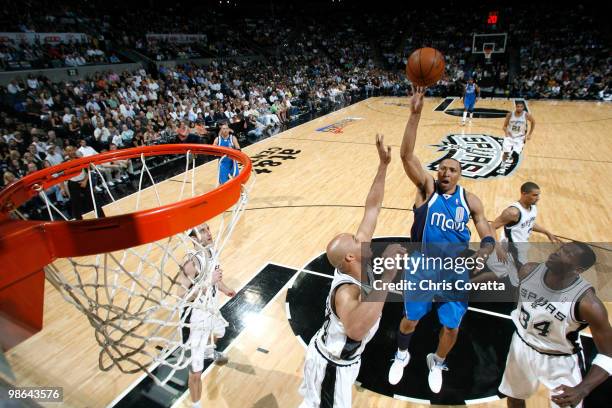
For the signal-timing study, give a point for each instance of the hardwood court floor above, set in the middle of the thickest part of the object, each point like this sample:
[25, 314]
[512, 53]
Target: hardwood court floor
[295, 209]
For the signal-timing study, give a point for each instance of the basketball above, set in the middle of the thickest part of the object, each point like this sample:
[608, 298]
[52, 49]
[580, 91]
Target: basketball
[425, 66]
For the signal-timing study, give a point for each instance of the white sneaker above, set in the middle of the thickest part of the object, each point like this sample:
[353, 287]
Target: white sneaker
[435, 373]
[397, 368]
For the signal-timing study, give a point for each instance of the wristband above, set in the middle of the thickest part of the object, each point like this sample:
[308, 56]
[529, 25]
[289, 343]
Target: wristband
[488, 240]
[604, 362]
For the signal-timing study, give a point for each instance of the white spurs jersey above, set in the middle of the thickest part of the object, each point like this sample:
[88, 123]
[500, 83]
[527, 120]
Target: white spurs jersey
[331, 340]
[544, 318]
[518, 124]
[202, 260]
[520, 231]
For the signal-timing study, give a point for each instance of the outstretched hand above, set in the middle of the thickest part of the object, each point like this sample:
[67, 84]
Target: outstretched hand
[416, 102]
[383, 154]
[566, 396]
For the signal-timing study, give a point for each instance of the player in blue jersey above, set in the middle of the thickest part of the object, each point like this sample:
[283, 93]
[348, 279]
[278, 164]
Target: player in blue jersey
[471, 93]
[442, 210]
[227, 167]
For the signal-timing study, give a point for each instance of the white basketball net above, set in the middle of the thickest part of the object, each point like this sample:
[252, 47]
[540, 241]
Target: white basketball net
[488, 52]
[133, 298]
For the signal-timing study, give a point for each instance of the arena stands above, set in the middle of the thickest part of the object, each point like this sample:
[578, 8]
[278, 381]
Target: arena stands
[301, 62]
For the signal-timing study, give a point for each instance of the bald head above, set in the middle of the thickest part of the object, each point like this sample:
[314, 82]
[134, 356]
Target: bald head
[341, 246]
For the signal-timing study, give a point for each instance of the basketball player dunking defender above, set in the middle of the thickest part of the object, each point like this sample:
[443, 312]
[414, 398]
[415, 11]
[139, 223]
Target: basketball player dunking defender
[206, 323]
[442, 210]
[518, 221]
[227, 166]
[515, 131]
[333, 357]
[555, 303]
[471, 93]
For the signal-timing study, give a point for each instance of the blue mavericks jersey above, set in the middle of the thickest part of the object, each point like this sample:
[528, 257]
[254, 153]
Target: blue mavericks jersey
[442, 219]
[227, 167]
[229, 142]
[470, 91]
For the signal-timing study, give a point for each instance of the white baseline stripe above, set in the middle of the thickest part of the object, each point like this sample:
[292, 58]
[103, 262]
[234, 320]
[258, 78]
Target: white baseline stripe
[287, 311]
[475, 309]
[413, 400]
[302, 342]
[482, 400]
[303, 270]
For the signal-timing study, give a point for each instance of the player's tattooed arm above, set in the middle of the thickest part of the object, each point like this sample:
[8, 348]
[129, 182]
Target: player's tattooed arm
[376, 194]
[592, 311]
[412, 166]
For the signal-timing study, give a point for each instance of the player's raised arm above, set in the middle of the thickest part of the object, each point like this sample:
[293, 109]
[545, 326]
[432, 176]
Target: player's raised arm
[412, 165]
[592, 311]
[376, 194]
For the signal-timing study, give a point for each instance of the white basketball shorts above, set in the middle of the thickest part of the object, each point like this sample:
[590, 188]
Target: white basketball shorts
[326, 384]
[526, 369]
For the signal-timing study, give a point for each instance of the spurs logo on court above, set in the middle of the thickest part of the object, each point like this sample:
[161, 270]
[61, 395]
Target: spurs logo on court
[480, 155]
[338, 126]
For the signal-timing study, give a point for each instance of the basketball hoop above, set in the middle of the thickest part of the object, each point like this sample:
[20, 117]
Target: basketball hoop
[122, 270]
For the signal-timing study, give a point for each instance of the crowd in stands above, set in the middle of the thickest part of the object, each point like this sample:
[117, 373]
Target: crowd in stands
[43, 121]
[301, 64]
[569, 59]
[21, 55]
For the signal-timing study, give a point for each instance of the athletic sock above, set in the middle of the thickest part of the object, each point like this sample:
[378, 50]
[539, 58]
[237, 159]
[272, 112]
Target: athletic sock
[438, 359]
[196, 404]
[403, 341]
[471, 115]
[464, 116]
